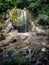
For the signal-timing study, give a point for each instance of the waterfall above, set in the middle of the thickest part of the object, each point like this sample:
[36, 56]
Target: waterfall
[21, 21]
[25, 18]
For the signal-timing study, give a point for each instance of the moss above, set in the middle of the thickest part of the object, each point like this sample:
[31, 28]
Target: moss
[14, 18]
[14, 14]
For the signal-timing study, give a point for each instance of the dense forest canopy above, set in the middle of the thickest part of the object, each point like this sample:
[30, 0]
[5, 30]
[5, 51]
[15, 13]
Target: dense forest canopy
[32, 5]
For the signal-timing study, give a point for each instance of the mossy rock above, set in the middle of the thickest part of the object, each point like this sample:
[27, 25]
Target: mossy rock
[19, 17]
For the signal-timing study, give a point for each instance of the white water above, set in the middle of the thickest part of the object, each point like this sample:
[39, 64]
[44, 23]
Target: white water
[25, 16]
[24, 34]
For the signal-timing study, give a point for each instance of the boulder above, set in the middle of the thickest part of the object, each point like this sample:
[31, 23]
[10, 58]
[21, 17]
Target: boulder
[40, 31]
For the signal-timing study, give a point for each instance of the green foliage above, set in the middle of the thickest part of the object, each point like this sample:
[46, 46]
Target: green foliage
[43, 20]
[14, 14]
[34, 5]
[5, 4]
[14, 18]
[30, 4]
[8, 4]
[45, 9]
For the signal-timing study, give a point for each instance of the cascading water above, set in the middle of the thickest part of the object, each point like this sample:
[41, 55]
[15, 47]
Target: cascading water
[25, 15]
[25, 18]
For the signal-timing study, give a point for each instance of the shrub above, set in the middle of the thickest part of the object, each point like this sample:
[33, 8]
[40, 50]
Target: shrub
[43, 20]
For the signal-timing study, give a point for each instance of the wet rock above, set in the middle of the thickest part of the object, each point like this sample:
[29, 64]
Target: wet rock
[40, 31]
[9, 27]
[13, 40]
[41, 61]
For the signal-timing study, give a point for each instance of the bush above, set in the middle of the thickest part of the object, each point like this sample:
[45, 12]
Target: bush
[29, 4]
[43, 20]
